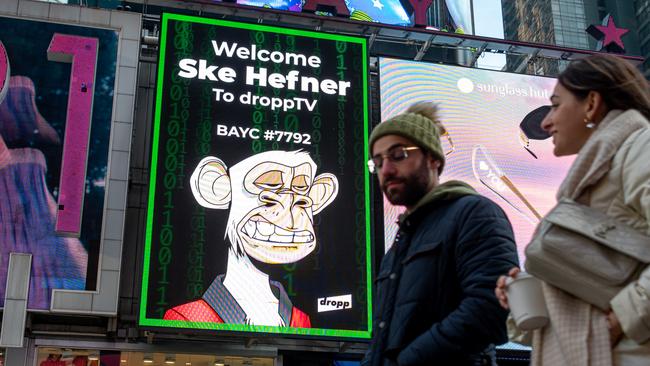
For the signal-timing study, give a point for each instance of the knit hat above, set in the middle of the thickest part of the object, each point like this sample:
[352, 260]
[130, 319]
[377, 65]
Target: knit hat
[423, 131]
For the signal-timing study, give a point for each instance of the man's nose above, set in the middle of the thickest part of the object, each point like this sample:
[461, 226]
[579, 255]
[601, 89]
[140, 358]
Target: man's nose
[387, 167]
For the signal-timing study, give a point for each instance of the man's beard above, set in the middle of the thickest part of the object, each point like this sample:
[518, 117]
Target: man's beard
[414, 187]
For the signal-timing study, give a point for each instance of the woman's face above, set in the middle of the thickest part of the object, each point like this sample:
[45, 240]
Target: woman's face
[566, 122]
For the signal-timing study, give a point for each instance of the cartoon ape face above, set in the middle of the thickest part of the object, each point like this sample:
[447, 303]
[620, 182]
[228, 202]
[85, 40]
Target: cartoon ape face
[273, 197]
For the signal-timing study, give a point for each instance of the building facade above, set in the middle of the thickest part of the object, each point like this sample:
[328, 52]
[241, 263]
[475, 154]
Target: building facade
[642, 13]
[102, 270]
[563, 23]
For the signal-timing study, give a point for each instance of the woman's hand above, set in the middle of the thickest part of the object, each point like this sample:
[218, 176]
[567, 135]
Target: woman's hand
[500, 290]
[615, 329]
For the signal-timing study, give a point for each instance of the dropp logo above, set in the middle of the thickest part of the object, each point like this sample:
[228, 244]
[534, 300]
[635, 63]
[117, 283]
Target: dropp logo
[334, 303]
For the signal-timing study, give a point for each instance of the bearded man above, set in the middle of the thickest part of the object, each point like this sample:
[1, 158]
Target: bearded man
[435, 302]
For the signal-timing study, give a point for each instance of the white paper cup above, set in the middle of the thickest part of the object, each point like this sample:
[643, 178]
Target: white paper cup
[526, 301]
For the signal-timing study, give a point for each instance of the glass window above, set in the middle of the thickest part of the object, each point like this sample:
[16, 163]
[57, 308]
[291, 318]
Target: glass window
[47, 356]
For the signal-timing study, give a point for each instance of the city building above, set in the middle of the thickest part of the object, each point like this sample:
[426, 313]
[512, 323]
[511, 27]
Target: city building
[563, 23]
[529, 21]
[145, 145]
[558, 22]
[642, 12]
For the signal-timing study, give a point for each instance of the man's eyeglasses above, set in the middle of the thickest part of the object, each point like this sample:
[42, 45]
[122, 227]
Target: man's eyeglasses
[394, 155]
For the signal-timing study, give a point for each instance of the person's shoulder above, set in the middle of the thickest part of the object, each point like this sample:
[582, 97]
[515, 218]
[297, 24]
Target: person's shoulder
[642, 136]
[478, 208]
[636, 145]
[478, 202]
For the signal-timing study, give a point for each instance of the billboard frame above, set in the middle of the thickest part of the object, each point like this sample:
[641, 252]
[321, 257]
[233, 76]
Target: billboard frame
[143, 320]
[102, 301]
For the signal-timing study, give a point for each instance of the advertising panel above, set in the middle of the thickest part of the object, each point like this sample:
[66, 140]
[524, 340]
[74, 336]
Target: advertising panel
[258, 215]
[486, 147]
[56, 107]
[380, 11]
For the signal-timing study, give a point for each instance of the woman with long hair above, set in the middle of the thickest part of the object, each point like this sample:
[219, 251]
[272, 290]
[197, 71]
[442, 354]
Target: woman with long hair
[600, 109]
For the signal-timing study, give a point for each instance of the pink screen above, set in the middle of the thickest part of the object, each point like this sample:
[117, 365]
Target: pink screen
[482, 110]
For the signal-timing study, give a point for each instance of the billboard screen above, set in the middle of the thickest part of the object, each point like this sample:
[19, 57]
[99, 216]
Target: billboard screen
[56, 106]
[258, 215]
[485, 146]
[380, 11]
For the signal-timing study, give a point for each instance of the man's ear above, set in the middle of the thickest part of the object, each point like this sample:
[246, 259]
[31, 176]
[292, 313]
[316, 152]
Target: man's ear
[323, 191]
[432, 161]
[210, 183]
[434, 164]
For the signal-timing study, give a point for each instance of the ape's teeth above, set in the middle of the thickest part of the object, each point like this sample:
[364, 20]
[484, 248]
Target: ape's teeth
[265, 228]
[301, 238]
[266, 231]
[281, 238]
[281, 231]
[249, 228]
[259, 236]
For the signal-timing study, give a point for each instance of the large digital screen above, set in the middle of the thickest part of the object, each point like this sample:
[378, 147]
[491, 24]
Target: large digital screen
[258, 214]
[56, 106]
[486, 147]
[381, 11]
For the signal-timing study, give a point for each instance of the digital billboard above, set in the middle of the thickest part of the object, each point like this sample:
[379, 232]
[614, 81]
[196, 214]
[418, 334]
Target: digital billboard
[258, 214]
[381, 11]
[56, 108]
[486, 147]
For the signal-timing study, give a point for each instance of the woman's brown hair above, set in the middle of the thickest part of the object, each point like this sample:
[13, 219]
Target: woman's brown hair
[621, 85]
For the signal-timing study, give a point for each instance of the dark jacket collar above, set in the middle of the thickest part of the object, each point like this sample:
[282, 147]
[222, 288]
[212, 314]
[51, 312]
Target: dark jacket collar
[447, 191]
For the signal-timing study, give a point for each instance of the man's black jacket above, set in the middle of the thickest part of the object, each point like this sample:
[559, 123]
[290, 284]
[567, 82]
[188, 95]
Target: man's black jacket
[435, 302]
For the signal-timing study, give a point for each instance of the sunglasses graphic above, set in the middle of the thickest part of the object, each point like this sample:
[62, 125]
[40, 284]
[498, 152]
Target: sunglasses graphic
[445, 133]
[487, 172]
[530, 128]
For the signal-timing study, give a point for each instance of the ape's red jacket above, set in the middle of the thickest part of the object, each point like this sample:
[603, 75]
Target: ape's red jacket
[218, 306]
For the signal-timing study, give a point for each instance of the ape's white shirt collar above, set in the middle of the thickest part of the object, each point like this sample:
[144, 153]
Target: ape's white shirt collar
[251, 289]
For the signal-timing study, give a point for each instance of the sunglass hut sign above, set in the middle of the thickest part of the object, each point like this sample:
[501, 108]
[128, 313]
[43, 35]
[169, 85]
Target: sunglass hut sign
[293, 80]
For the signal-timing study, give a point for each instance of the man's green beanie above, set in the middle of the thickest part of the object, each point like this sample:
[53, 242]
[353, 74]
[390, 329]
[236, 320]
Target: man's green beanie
[420, 129]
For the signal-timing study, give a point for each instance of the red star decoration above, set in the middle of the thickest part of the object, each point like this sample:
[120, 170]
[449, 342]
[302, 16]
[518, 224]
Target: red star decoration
[611, 33]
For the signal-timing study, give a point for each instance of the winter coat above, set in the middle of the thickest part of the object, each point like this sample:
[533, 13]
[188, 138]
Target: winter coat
[612, 175]
[435, 300]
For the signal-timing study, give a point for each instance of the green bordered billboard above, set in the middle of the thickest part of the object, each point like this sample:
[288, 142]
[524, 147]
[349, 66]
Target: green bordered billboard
[258, 215]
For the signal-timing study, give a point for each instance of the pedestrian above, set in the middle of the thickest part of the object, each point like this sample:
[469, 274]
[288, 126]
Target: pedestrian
[434, 290]
[599, 110]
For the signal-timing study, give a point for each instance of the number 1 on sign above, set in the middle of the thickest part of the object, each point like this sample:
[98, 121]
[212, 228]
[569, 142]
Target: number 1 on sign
[82, 53]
